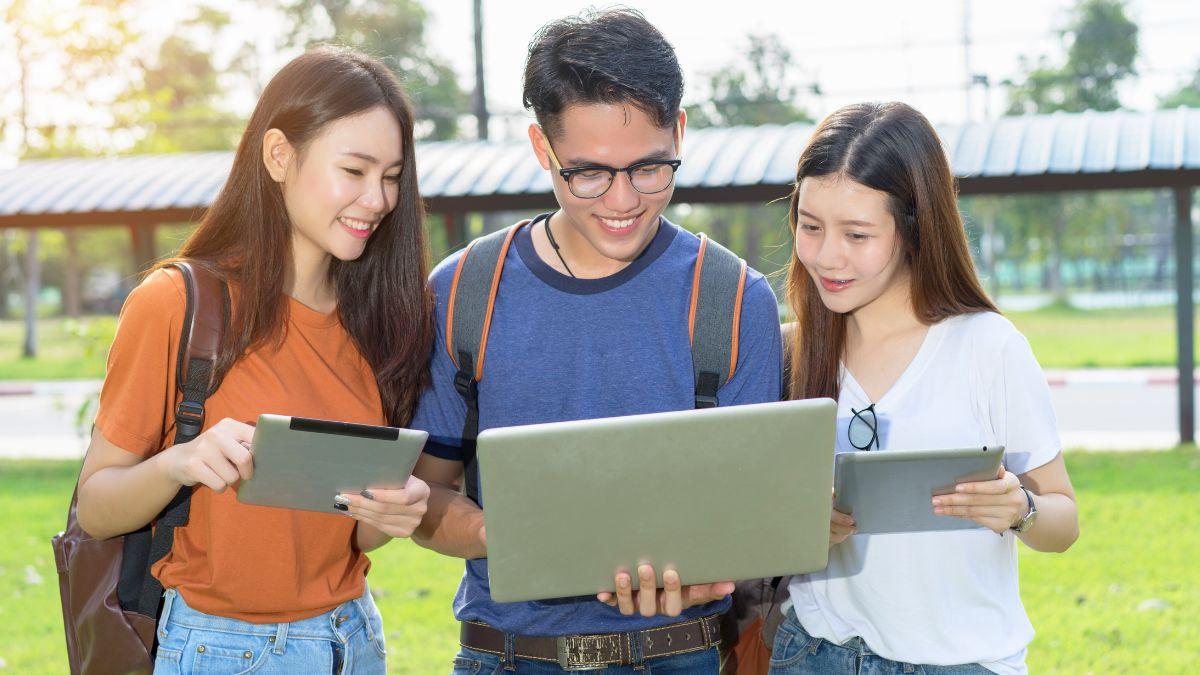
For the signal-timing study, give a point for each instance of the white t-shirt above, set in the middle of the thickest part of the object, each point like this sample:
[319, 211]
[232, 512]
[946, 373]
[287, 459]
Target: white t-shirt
[940, 598]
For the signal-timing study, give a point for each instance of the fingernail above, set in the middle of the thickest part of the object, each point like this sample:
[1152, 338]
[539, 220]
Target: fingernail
[937, 502]
[368, 494]
[623, 582]
[960, 488]
[938, 510]
[341, 499]
[341, 507]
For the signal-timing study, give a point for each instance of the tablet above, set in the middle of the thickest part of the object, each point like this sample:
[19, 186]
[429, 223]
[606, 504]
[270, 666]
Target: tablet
[726, 493]
[301, 463]
[890, 490]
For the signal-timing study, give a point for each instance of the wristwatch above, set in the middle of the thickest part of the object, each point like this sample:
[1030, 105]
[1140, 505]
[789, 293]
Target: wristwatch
[1026, 522]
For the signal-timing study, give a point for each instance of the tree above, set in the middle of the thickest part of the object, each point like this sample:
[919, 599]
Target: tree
[393, 30]
[1188, 94]
[177, 100]
[1102, 46]
[759, 91]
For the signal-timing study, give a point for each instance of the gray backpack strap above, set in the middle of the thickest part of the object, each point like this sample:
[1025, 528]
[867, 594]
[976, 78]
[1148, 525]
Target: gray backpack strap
[718, 283]
[468, 318]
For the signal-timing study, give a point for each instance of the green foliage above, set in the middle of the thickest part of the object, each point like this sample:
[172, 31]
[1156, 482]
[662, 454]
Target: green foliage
[758, 91]
[1102, 48]
[1188, 94]
[1137, 512]
[393, 31]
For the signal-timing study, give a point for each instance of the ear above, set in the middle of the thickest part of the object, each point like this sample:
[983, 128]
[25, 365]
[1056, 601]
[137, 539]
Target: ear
[680, 125]
[537, 138]
[277, 154]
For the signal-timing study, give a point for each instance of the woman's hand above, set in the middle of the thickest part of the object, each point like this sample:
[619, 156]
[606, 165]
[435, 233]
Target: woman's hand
[395, 513]
[995, 504]
[841, 526]
[217, 458]
[671, 600]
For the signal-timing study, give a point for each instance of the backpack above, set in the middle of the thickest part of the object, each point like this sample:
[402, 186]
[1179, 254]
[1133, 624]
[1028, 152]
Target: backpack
[748, 628]
[110, 601]
[718, 283]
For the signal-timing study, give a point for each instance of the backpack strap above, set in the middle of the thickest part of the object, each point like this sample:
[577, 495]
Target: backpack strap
[718, 283]
[205, 317]
[468, 320]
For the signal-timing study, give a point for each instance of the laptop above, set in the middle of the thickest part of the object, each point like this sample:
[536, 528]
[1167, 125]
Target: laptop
[726, 493]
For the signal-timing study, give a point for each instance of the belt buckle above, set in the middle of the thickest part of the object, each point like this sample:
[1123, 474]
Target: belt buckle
[587, 652]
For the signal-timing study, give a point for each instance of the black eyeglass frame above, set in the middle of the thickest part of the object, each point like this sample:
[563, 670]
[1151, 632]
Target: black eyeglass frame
[873, 425]
[612, 172]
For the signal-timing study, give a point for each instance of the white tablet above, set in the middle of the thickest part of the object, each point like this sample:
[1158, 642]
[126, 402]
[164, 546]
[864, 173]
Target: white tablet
[891, 490]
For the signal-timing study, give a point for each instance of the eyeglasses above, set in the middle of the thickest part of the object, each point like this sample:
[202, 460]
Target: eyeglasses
[590, 182]
[863, 429]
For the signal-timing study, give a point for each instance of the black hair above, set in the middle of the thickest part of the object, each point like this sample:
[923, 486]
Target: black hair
[610, 56]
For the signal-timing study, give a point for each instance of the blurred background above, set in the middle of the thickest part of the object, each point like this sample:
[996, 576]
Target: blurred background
[1073, 126]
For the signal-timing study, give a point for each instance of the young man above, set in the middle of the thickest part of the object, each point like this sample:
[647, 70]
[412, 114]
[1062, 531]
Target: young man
[590, 321]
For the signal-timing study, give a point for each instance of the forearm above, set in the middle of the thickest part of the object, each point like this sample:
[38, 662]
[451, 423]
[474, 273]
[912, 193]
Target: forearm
[1057, 524]
[452, 526]
[369, 538]
[119, 499]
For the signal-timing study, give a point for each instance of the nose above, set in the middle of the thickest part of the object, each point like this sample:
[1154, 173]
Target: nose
[829, 254]
[375, 198]
[621, 196]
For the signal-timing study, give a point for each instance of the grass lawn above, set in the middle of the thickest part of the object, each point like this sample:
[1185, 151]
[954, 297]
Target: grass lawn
[1126, 598]
[1061, 337]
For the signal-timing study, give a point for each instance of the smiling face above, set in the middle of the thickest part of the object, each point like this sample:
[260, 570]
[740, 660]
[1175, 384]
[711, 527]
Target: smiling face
[341, 185]
[619, 224]
[847, 240]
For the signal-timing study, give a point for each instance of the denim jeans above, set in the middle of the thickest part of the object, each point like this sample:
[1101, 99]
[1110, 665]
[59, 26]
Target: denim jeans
[471, 662]
[797, 653]
[347, 639]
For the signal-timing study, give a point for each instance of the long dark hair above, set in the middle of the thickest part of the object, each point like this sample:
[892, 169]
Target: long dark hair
[382, 298]
[892, 148]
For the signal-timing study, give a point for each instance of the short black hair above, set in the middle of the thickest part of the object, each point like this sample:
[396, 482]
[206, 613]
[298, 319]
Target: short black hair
[610, 56]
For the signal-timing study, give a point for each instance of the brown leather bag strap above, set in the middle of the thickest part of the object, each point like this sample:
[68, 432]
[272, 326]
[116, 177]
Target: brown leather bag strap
[204, 321]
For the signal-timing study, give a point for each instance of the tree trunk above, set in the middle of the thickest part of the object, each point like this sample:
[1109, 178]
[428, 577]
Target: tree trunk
[33, 282]
[72, 284]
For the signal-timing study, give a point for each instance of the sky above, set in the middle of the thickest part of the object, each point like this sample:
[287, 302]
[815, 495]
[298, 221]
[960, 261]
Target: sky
[859, 50]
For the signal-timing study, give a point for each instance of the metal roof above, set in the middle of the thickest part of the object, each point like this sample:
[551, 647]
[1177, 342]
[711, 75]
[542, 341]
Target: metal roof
[1091, 150]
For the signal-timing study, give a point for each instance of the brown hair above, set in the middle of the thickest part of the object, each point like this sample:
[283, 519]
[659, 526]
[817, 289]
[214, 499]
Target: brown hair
[892, 148]
[245, 237]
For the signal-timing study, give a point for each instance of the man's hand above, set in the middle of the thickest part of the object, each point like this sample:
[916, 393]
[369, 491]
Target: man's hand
[671, 600]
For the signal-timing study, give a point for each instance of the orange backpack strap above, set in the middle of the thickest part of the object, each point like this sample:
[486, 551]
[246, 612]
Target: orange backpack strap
[718, 284]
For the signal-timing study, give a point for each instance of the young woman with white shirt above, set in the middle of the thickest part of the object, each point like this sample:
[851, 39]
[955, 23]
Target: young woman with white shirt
[894, 325]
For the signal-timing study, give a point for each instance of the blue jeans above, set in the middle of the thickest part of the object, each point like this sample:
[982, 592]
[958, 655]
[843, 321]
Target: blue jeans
[797, 653]
[471, 662]
[347, 639]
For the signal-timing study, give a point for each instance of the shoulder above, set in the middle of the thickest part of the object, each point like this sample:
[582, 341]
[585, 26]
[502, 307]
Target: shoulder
[989, 332]
[443, 274]
[161, 293]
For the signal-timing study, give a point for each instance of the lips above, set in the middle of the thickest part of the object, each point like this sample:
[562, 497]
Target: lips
[619, 226]
[835, 285]
[356, 227]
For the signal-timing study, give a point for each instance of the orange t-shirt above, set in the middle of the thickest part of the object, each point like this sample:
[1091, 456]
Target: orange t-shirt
[253, 563]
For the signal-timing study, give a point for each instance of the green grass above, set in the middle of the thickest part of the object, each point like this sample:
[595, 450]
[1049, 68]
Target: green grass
[1139, 513]
[1062, 337]
[68, 349]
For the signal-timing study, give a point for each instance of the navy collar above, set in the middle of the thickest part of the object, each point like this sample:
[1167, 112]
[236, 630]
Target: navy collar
[555, 279]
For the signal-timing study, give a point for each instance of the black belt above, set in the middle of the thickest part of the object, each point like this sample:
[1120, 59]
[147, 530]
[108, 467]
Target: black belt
[586, 652]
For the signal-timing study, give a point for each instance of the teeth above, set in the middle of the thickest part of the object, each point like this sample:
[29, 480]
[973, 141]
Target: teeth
[618, 224]
[355, 224]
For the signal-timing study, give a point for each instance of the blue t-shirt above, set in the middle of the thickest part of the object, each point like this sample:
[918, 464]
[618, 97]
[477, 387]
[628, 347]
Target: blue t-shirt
[560, 349]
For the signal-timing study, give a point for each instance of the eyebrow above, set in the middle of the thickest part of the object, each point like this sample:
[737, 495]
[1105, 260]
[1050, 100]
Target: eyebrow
[656, 156]
[371, 158]
[860, 223]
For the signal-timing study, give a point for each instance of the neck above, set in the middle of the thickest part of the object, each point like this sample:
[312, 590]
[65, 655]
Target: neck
[584, 260]
[308, 279]
[890, 314]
